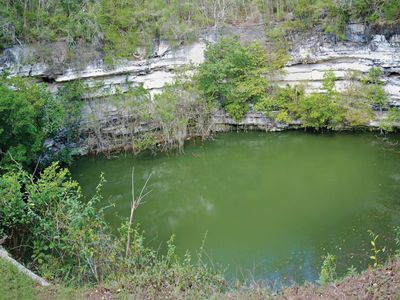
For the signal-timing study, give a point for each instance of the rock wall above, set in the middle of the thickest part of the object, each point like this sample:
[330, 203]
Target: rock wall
[359, 52]
[311, 56]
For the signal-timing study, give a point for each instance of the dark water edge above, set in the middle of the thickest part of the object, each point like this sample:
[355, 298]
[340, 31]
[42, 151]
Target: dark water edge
[271, 205]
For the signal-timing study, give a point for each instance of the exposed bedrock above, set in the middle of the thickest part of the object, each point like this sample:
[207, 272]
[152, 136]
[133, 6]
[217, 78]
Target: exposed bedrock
[311, 55]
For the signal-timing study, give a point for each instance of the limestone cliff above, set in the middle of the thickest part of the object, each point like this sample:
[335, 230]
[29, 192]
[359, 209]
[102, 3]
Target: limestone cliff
[311, 55]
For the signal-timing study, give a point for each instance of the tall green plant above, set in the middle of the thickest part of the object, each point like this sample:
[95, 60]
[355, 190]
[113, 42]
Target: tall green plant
[232, 75]
[328, 270]
[375, 92]
[322, 110]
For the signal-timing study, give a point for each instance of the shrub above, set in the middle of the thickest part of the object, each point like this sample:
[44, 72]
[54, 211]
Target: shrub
[357, 108]
[28, 113]
[232, 75]
[64, 238]
[322, 110]
[237, 110]
[47, 216]
[375, 92]
[181, 111]
[285, 100]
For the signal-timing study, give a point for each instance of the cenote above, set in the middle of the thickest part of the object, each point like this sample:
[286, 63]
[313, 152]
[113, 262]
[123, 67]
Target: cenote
[268, 206]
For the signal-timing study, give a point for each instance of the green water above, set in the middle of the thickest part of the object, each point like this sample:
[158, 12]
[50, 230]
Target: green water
[270, 205]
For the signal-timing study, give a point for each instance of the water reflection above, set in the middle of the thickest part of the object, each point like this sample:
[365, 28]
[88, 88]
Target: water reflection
[272, 205]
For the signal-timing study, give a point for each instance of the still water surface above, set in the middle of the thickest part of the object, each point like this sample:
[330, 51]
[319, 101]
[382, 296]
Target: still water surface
[270, 205]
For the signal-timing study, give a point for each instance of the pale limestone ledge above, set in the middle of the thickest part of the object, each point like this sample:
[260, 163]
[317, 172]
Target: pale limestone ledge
[310, 59]
[313, 57]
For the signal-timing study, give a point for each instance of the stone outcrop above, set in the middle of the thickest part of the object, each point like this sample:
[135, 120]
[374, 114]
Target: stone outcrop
[311, 55]
[360, 52]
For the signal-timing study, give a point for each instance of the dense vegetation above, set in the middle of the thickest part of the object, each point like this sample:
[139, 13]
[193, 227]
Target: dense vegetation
[42, 210]
[29, 114]
[235, 76]
[65, 239]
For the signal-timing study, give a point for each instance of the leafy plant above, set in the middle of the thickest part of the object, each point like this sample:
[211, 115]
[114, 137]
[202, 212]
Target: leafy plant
[328, 270]
[28, 114]
[351, 271]
[374, 249]
[322, 110]
[232, 75]
[374, 88]
[64, 238]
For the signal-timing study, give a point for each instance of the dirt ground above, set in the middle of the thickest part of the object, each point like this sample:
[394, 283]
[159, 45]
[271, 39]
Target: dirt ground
[382, 283]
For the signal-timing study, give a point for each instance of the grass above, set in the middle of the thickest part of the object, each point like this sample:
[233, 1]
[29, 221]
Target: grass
[15, 285]
[374, 283]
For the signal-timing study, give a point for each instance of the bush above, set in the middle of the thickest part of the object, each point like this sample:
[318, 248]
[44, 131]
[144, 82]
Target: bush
[322, 110]
[47, 215]
[232, 75]
[181, 112]
[315, 110]
[375, 92]
[28, 114]
[64, 238]
[285, 100]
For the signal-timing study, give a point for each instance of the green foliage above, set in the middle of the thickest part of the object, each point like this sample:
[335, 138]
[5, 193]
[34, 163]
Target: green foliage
[328, 270]
[319, 111]
[357, 107]
[127, 27]
[333, 15]
[48, 21]
[284, 100]
[48, 214]
[70, 98]
[133, 25]
[351, 271]
[166, 276]
[237, 110]
[376, 11]
[163, 122]
[277, 56]
[178, 109]
[314, 110]
[331, 109]
[322, 110]
[374, 88]
[67, 240]
[375, 250]
[392, 119]
[28, 114]
[232, 75]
